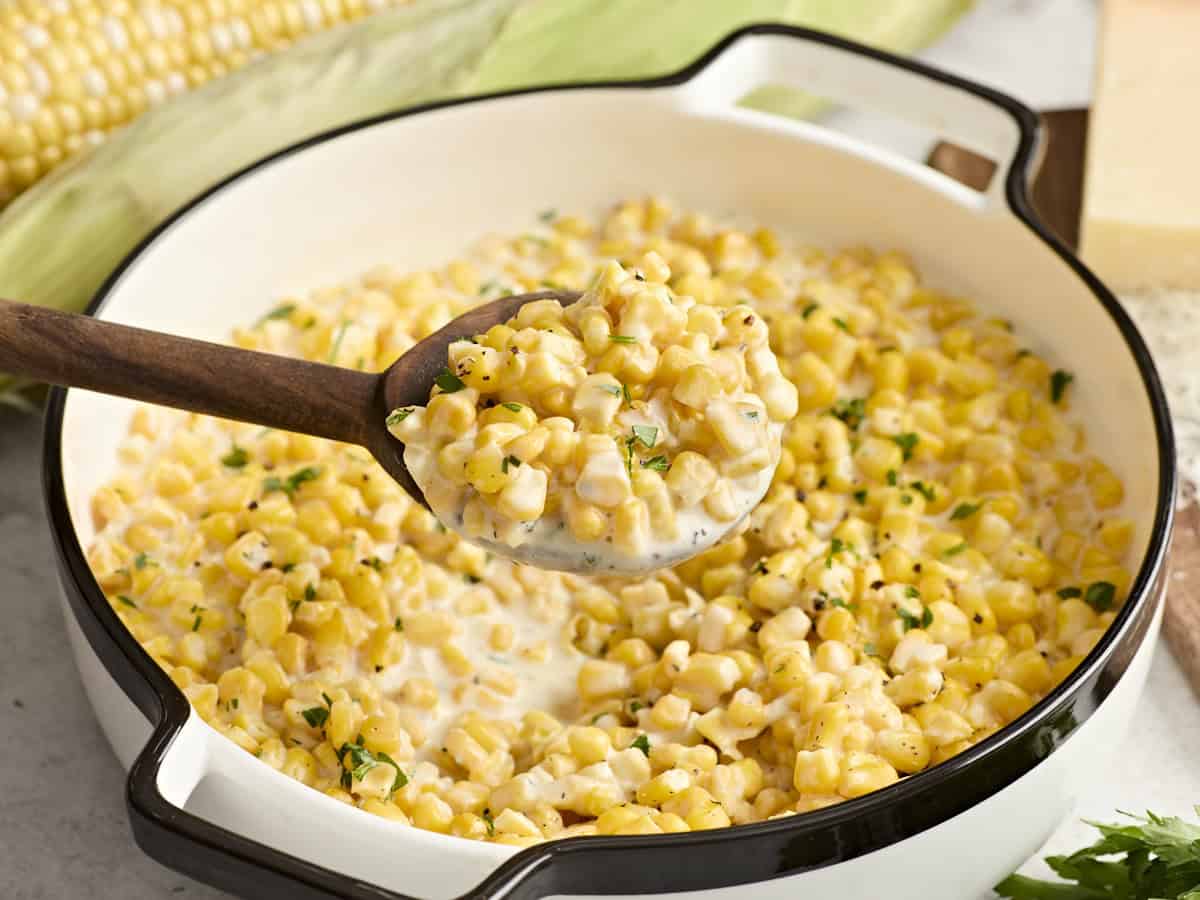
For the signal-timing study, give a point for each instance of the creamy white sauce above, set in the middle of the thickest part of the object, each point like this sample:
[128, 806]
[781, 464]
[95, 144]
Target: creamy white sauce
[539, 614]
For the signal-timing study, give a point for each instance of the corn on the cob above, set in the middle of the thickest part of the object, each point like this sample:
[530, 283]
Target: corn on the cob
[60, 240]
[73, 70]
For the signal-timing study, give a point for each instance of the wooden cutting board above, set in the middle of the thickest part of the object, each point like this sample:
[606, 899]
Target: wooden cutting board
[1057, 196]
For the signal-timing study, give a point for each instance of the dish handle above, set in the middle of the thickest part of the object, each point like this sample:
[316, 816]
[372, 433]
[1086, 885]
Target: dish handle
[163, 779]
[975, 117]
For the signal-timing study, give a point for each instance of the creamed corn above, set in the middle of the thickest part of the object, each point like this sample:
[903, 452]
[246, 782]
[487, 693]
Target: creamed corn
[938, 548]
[626, 431]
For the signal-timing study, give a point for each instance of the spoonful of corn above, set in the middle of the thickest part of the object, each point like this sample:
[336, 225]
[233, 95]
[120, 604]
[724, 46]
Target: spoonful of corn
[622, 431]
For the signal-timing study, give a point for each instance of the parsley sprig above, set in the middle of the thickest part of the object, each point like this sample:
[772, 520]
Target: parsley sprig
[1155, 857]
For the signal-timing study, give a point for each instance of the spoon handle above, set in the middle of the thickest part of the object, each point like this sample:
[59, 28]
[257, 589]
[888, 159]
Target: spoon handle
[263, 388]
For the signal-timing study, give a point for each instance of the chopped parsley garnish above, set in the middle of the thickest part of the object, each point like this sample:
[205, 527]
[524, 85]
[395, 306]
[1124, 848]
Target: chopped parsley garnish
[906, 499]
[1100, 595]
[835, 547]
[646, 435]
[657, 463]
[235, 458]
[399, 415]
[810, 309]
[911, 620]
[509, 462]
[310, 592]
[279, 312]
[841, 323]
[860, 496]
[625, 394]
[955, 550]
[448, 381]
[486, 815]
[316, 716]
[491, 285]
[375, 563]
[760, 568]
[1058, 384]
[142, 560]
[363, 761]
[838, 602]
[126, 600]
[1069, 592]
[906, 442]
[292, 483]
[850, 411]
[751, 414]
[196, 621]
[924, 490]
[642, 742]
[964, 511]
[398, 624]
[622, 339]
[911, 591]
[610, 389]
[891, 477]
[548, 215]
[869, 650]
[513, 407]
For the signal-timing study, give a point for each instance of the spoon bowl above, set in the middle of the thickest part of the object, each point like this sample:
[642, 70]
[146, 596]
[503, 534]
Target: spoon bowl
[407, 381]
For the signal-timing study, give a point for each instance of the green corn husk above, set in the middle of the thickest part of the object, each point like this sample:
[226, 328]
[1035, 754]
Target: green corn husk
[569, 40]
[61, 239]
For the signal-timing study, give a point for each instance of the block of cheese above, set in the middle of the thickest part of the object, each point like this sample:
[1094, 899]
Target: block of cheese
[1141, 207]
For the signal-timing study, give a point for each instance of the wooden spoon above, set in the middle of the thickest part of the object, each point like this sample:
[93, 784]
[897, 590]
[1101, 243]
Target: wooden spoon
[277, 391]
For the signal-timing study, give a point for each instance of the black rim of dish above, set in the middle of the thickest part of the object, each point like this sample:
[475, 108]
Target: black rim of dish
[691, 861]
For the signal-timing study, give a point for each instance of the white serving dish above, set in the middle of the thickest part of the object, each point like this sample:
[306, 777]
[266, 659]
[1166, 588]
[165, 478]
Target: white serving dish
[412, 189]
